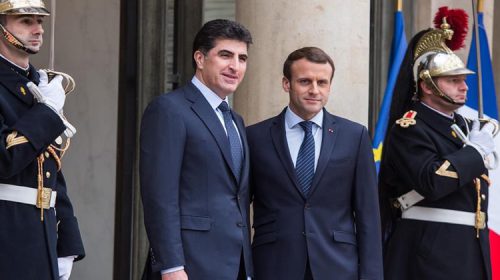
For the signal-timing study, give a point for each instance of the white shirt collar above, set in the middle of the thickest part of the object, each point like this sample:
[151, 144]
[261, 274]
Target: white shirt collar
[292, 119]
[11, 62]
[213, 99]
[439, 112]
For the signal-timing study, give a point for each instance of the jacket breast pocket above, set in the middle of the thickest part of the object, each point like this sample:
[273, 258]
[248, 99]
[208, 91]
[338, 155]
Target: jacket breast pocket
[196, 223]
[344, 237]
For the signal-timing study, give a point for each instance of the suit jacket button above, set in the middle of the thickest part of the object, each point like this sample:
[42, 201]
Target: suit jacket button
[239, 224]
[304, 233]
[307, 206]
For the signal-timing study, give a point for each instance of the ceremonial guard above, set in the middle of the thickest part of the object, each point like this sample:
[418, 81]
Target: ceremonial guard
[36, 241]
[434, 172]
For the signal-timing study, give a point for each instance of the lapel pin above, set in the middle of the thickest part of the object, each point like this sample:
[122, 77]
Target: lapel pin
[330, 130]
[23, 91]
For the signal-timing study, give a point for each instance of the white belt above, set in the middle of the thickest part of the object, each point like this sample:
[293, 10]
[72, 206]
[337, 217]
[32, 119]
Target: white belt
[26, 195]
[444, 216]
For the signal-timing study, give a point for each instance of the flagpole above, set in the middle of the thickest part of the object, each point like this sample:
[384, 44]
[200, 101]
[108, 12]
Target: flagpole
[478, 56]
[399, 6]
[52, 33]
[480, 6]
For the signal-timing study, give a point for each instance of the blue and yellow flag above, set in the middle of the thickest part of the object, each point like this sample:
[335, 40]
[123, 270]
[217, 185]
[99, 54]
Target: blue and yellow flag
[398, 50]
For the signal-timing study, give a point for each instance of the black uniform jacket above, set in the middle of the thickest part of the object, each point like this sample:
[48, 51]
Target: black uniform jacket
[429, 158]
[29, 247]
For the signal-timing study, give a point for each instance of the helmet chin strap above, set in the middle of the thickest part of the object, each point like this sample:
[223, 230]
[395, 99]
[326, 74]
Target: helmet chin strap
[426, 77]
[14, 41]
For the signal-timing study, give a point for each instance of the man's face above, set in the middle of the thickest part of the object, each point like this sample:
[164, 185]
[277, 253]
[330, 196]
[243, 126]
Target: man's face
[27, 29]
[222, 69]
[308, 88]
[454, 87]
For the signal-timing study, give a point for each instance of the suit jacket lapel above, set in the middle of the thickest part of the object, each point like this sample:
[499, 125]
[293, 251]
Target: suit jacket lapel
[207, 115]
[278, 135]
[330, 132]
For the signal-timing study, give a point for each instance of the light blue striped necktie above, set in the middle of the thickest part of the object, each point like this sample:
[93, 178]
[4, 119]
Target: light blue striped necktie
[232, 136]
[304, 168]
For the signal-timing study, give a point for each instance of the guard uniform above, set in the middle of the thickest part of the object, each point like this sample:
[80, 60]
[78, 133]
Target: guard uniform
[31, 239]
[423, 154]
[433, 178]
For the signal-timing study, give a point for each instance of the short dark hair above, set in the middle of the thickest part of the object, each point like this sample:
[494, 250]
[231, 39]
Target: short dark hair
[312, 54]
[219, 29]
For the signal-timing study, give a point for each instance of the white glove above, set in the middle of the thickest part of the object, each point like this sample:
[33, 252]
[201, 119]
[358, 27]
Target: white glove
[65, 265]
[51, 94]
[482, 139]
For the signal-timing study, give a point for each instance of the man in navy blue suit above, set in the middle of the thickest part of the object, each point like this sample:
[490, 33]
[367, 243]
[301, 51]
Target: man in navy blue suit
[194, 167]
[314, 184]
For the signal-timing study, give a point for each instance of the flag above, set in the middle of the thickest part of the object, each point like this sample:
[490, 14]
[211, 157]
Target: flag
[490, 110]
[397, 54]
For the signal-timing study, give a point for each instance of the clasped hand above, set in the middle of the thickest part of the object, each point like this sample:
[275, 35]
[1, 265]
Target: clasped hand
[53, 95]
[49, 93]
[482, 138]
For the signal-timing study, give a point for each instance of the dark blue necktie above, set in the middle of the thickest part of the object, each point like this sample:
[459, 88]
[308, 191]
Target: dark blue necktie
[234, 140]
[304, 168]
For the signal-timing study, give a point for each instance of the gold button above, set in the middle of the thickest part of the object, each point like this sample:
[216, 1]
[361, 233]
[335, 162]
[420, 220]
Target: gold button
[483, 196]
[47, 155]
[47, 174]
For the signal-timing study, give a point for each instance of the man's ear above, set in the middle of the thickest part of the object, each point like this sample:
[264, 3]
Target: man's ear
[286, 84]
[425, 88]
[199, 58]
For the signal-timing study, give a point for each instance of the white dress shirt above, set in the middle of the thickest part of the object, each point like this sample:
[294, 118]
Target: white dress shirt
[214, 100]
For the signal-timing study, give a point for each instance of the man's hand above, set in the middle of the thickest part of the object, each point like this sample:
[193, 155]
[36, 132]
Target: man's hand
[482, 139]
[51, 94]
[65, 265]
[176, 275]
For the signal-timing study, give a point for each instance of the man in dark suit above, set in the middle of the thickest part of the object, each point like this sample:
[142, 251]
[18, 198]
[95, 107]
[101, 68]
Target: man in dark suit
[194, 166]
[39, 234]
[314, 184]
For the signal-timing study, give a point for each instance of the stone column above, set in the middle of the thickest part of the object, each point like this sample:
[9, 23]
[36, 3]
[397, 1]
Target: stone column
[341, 28]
